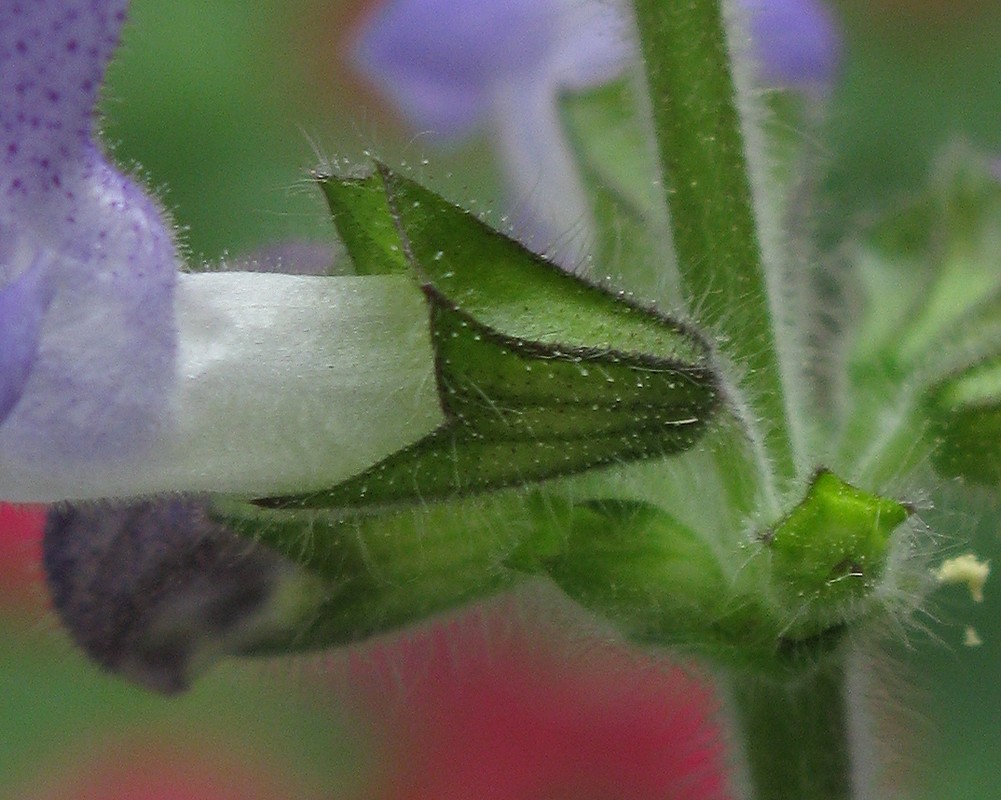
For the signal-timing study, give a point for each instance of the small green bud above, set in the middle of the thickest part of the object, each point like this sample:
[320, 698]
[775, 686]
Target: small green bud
[659, 582]
[829, 553]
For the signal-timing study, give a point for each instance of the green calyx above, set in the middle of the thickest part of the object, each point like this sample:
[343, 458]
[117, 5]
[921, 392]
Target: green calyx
[782, 605]
[829, 554]
[381, 572]
[539, 373]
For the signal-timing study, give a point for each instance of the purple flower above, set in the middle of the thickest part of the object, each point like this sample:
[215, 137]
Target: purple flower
[796, 42]
[447, 62]
[121, 376]
[454, 65]
[87, 265]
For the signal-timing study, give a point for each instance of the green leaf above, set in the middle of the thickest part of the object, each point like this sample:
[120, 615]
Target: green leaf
[539, 373]
[930, 266]
[931, 277]
[965, 414]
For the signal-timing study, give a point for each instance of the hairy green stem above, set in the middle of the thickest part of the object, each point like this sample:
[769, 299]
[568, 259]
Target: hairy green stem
[795, 735]
[700, 141]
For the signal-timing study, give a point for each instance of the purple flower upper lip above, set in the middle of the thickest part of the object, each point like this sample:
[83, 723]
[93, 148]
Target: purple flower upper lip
[87, 265]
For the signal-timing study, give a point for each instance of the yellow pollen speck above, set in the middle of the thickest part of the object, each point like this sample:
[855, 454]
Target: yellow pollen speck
[966, 569]
[971, 638]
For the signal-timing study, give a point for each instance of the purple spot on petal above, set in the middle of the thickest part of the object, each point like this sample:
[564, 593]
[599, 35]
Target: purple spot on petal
[41, 75]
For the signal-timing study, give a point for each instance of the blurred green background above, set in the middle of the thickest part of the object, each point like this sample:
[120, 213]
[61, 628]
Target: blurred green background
[227, 104]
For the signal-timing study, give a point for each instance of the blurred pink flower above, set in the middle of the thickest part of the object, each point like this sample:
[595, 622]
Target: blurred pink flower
[489, 709]
[163, 769]
[20, 553]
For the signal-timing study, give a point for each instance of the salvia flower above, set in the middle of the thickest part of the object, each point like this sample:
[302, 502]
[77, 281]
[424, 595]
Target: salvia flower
[122, 375]
[87, 266]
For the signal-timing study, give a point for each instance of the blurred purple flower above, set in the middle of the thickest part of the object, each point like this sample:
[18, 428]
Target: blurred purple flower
[796, 42]
[454, 65]
[447, 62]
[87, 265]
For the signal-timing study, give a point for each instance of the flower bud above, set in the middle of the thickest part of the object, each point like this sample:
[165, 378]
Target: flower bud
[156, 590]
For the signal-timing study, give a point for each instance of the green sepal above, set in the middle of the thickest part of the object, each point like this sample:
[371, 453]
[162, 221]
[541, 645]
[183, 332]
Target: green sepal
[829, 554]
[506, 287]
[361, 215]
[965, 424]
[539, 373]
[636, 565]
[383, 572]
